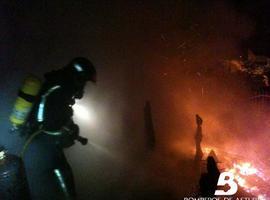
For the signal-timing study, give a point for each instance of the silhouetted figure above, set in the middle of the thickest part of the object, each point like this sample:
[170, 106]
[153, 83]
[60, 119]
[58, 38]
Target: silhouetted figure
[198, 139]
[214, 155]
[208, 181]
[149, 127]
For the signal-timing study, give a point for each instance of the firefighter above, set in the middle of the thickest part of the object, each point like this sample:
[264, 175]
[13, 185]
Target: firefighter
[51, 129]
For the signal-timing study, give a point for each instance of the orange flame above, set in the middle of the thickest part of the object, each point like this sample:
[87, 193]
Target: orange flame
[248, 176]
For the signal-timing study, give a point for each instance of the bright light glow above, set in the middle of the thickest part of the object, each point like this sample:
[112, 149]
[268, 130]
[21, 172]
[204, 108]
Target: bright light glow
[83, 113]
[246, 169]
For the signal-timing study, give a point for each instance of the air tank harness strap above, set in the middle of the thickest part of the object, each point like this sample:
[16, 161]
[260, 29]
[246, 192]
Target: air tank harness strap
[29, 140]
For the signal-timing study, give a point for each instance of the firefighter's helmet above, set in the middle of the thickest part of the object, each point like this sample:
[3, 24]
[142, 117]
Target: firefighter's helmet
[84, 68]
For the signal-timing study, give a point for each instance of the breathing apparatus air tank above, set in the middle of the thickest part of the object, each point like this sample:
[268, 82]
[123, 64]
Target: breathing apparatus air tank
[13, 181]
[25, 101]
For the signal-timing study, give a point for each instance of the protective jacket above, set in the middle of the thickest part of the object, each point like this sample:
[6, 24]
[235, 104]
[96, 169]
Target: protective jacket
[53, 115]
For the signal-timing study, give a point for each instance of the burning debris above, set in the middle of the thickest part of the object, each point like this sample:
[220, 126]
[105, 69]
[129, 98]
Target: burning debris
[257, 67]
[252, 178]
[251, 175]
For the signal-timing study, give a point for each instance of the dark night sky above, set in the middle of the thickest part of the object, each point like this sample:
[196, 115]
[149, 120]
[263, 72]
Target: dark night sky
[258, 12]
[127, 41]
[34, 32]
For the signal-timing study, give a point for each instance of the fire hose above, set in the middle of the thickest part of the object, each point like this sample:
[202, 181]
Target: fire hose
[80, 139]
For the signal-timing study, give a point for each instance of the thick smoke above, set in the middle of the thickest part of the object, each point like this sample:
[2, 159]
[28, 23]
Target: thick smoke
[183, 45]
[167, 52]
[185, 76]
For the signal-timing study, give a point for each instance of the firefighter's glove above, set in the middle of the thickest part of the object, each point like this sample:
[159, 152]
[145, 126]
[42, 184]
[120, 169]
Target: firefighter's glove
[69, 135]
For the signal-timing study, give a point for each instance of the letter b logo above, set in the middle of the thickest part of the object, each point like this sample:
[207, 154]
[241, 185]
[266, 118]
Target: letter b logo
[226, 178]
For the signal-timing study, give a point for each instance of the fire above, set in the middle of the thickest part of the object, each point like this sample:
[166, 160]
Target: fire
[250, 177]
[245, 169]
[241, 173]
